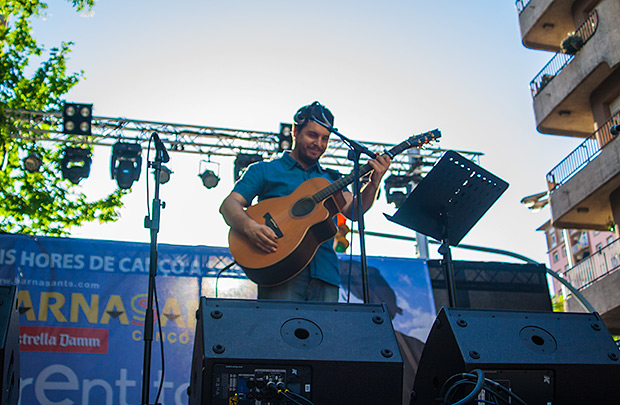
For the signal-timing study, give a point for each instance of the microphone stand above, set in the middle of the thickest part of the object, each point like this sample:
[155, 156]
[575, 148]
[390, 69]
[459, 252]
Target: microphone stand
[161, 156]
[355, 151]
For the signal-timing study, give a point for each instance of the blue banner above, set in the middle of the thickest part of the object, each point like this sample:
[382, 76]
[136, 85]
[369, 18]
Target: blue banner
[82, 309]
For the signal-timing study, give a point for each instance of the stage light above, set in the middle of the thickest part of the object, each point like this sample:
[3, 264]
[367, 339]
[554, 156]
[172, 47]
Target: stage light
[414, 163]
[164, 175]
[126, 164]
[285, 138]
[398, 188]
[244, 160]
[415, 160]
[33, 162]
[76, 119]
[209, 177]
[75, 164]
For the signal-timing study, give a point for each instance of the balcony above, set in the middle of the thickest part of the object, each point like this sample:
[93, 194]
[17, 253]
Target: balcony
[582, 155]
[563, 90]
[581, 245]
[596, 277]
[521, 4]
[580, 185]
[595, 267]
[561, 59]
[544, 23]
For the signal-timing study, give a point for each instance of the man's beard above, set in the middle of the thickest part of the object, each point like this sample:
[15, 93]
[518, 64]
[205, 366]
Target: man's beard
[307, 159]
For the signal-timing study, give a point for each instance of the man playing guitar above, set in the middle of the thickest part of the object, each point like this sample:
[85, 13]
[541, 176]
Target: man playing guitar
[320, 279]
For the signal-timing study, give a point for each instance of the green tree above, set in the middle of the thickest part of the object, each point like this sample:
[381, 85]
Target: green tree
[558, 303]
[40, 203]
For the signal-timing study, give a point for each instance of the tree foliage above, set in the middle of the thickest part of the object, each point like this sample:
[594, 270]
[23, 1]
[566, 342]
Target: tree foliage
[40, 203]
[558, 303]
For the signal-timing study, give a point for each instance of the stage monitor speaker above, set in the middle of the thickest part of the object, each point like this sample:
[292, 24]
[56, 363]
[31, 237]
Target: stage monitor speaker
[327, 353]
[543, 357]
[9, 345]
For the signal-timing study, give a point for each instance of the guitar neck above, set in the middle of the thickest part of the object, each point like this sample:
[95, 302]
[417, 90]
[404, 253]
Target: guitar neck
[348, 179]
[339, 184]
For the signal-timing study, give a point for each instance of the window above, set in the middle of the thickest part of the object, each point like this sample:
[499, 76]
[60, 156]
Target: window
[614, 106]
[610, 239]
[555, 257]
[599, 246]
[552, 238]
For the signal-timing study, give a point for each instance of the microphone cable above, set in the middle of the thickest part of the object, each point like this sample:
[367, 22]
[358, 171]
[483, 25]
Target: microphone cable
[217, 277]
[161, 344]
[480, 383]
[281, 389]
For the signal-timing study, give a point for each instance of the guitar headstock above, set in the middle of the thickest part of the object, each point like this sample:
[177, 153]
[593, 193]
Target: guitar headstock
[423, 139]
[414, 141]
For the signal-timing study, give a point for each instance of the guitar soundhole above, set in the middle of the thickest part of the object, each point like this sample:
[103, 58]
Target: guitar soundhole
[303, 207]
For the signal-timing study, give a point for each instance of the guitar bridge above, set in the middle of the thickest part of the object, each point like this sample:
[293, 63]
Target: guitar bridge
[271, 223]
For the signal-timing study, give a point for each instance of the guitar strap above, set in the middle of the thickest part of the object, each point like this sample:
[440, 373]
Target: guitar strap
[333, 174]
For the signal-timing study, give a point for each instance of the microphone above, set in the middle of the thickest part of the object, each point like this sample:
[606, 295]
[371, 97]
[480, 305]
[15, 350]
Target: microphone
[615, 130]
[161, 148]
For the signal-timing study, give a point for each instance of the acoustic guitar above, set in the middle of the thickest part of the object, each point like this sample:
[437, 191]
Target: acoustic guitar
[301, 221]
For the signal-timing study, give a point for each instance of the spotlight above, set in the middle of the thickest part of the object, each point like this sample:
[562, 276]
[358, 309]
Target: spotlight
[164, 175]
[33, 162]
[244, 160]
[126, 164]
[76, 119]
[75, 164]
[285, 138]
[398, 188]
[209, 178]
[415, 162]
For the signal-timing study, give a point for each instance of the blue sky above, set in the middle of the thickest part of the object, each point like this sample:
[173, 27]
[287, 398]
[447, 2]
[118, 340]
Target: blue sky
[387, 70]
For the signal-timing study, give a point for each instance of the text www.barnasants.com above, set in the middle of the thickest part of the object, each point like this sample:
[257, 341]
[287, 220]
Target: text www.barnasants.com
[51, 283]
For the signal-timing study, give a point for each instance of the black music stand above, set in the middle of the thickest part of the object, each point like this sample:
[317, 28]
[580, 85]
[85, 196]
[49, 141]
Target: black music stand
[447, 203]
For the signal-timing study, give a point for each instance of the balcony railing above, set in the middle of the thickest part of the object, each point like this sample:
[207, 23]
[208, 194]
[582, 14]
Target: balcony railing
[596, 266]
[521, 4]
[561, 59]
[582, 155]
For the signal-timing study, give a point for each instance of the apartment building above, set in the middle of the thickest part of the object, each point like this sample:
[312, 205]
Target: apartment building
[577, 93]
[582, 249]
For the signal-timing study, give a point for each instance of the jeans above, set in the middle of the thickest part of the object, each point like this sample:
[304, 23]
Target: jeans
[302, 287]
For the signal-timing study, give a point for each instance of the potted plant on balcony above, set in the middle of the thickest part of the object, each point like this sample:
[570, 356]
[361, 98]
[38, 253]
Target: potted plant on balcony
[546, 78]
[572, 43]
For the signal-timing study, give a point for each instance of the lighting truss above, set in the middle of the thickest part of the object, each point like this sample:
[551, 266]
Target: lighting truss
[210, 141]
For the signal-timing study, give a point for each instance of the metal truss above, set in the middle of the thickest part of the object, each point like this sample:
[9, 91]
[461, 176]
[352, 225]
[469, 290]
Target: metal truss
[488, 277]
[39, 126]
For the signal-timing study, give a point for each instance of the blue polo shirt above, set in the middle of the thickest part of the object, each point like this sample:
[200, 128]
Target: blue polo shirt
[279, 178]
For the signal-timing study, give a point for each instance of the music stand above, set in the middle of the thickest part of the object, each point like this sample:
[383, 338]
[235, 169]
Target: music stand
[447, 203]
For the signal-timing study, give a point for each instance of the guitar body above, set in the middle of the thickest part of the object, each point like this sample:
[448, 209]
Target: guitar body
[303, 225]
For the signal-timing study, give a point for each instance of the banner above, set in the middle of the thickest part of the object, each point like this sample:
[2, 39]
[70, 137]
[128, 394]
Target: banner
[82, 307]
